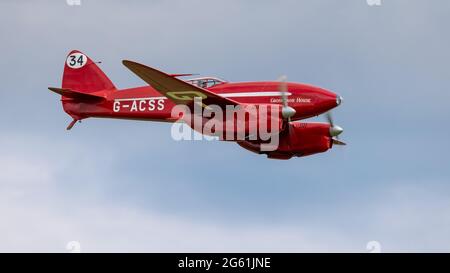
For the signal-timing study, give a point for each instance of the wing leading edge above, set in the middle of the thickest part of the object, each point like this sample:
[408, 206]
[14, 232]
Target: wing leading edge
[178, 91]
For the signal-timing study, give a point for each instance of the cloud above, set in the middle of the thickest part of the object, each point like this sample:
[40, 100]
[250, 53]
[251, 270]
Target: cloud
[40, 214]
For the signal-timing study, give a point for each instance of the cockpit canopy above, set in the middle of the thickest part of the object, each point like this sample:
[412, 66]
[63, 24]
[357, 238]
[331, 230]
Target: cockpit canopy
[206, 82]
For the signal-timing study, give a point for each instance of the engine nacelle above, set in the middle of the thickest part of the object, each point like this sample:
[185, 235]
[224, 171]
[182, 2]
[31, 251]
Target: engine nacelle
[236, 123]
[300, 139]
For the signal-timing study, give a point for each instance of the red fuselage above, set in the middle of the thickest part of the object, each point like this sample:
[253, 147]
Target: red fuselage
[145, 103]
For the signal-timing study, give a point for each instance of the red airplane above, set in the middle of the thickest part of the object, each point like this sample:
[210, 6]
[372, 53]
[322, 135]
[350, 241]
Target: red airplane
[87, 92]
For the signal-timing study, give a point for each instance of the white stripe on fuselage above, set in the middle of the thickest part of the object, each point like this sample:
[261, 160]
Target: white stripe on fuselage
[252, 94]
[225, 95]
[149, 98]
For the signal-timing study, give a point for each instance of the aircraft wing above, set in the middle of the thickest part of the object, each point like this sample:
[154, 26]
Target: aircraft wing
[175, 89]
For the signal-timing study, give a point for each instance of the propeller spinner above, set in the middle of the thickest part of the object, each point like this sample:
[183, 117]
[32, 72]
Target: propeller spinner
[287, 112]
[335, 130]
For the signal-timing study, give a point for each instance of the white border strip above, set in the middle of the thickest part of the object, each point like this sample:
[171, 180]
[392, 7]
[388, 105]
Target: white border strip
[253, 94]
[225, 95]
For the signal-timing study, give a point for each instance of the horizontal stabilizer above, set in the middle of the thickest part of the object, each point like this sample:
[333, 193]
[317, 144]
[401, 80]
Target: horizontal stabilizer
[75, 94]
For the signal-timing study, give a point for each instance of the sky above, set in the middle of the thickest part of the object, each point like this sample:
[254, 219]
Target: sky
[127, 186]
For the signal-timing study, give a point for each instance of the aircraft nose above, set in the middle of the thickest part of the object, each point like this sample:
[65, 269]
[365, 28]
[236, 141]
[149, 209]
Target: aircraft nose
[339, 100]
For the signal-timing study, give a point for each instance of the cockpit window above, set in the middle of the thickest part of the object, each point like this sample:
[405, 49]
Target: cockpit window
[206, 82]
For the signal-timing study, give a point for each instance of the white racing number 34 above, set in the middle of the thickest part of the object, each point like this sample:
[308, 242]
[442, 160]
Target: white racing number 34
[76, 60]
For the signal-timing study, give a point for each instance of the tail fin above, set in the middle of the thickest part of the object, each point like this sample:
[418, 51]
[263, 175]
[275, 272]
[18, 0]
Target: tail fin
[81, 78]
[83, 75]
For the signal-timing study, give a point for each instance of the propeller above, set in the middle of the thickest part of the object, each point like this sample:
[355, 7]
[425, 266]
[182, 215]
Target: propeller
[287, 112]
[335, 130]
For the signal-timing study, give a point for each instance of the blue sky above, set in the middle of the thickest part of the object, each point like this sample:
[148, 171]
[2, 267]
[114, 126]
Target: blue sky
[127, 186]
